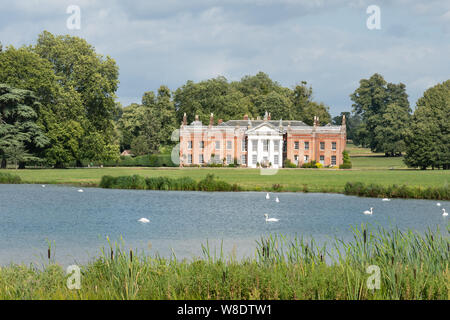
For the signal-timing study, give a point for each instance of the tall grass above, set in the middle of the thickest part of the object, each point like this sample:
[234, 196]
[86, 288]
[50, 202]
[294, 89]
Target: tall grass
[396, 191]
[412, 266]
[209, 183]
[9, 178]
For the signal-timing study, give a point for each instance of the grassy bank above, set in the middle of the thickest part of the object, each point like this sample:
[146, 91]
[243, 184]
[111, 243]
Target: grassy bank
[313, 180]
[411, 266]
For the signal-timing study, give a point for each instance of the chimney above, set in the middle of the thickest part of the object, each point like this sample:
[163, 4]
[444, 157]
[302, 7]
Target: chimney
[184, 119]
[343, 120]
[268, 118]
[315, 121]
[220, 121]
[196, 117]
[246, 117]
[211, 120]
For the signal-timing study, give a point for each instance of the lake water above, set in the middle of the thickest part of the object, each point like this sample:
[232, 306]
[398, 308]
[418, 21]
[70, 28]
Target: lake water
[77, 223]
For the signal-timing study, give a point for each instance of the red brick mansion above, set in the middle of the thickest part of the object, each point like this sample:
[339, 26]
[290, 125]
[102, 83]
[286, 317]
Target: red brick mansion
[265, 142]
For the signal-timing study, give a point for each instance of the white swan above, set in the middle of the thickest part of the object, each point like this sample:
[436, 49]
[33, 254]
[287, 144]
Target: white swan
[144, 220]
[369, 212]
[385, 199]
[267, 196]
[270, 219]
[277, 200]
[444, 213]
[438, 204]
[80, 190]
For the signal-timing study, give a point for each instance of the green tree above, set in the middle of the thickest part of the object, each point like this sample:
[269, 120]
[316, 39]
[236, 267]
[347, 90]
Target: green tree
[371, 101]
[428, 137]
[18, 127]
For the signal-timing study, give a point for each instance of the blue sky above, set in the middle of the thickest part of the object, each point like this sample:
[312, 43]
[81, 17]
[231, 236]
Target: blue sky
[325, 43]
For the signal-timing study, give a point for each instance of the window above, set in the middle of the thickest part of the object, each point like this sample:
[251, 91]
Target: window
[275, 159]
[296, 145]
[217, 158]
[306, 145]
[276, 145]
[322, 146]
[333, 160]
[255, 145]
[305, 158]
[229, 145]
[265, 145]
[284, 146]
[218, 145]
[254, 160]
[244, 159]
[190, 158]
[333, 146]
[200, 158]
[322, 159]
[189, 144]
[228, 158]
[244, 147]
[202, 144]
[296, 158]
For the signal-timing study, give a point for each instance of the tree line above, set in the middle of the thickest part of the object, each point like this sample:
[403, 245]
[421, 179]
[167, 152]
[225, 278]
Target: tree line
[58, 107]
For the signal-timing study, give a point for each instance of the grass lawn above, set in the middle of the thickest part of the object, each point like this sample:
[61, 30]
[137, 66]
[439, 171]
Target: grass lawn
[249, 179]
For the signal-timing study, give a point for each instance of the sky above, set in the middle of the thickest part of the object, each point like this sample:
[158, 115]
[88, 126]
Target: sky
[326, 43]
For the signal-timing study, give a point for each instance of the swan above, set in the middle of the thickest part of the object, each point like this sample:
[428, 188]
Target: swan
[385, 199]
[444, 213]
[369, 212]
[80, 190]
[43, 186]
[438, 204]
[277, 200]
[267, 196]
[270, 219]
[144, 220]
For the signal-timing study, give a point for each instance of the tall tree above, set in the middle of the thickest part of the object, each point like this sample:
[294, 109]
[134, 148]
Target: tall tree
[19, 132]
[371, 101]
[428, 137]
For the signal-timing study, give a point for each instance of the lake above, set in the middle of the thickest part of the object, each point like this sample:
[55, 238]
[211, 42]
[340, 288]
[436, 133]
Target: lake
[77, 224]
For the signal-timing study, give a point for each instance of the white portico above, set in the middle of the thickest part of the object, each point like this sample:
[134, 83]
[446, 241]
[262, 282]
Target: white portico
[265, 146]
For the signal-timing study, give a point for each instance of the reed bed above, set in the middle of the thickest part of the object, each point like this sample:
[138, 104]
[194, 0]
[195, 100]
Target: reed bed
[411, 266]
[396, 191]
[9, 178]
[209, 183]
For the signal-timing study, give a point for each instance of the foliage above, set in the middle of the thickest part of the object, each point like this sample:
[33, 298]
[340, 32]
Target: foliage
[19, 132]
[209, 183]
[396, 191]
[385, 113]
[346, 163]
[428, 137]
[289, 164]
[9, 178]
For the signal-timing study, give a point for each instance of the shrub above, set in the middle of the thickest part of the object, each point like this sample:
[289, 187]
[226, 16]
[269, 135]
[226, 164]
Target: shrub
[347, 164]
[311, 164]
[9, 178]
[289, 164]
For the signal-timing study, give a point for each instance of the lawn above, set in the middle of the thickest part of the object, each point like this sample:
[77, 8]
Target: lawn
[250, 179]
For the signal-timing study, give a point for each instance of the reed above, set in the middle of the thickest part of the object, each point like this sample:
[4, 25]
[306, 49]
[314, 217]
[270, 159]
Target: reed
[412, 266]
[9, 178]
[396, 191]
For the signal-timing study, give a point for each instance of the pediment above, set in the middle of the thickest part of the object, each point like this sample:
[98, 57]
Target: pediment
[265, 128]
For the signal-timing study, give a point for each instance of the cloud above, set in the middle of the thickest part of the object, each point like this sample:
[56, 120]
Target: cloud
[323, 42]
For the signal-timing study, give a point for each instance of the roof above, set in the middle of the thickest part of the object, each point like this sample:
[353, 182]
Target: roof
[255, 123]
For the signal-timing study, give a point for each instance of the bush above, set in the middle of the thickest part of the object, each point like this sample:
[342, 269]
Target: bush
[9, 178]
[154, 160]
[311, 164]
[347, 164]
[395, 191]
[289, 164]
[209, 183]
